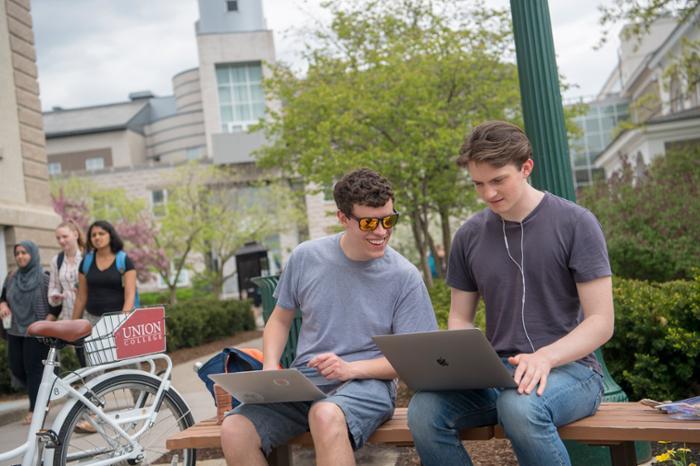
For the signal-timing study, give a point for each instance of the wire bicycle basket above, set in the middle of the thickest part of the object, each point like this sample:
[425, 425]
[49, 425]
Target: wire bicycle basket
[118, 336]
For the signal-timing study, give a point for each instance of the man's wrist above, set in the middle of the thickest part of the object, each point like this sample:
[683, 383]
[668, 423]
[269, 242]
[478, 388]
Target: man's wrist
[549, 356]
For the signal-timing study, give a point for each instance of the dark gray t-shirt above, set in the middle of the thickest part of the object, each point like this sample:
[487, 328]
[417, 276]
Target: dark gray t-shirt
[344, 302]
[564, 245]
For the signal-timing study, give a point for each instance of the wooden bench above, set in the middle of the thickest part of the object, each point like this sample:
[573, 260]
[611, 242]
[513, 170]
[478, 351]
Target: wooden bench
[616, 425]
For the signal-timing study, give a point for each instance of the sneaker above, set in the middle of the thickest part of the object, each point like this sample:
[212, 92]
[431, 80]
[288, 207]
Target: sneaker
[84, 427]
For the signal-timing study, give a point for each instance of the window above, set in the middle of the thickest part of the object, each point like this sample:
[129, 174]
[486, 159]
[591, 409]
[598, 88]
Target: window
[231, 5]
[97, 163]
[241, 96]
[54, 168]
[194, 153]
[182, 281]
[159, 198]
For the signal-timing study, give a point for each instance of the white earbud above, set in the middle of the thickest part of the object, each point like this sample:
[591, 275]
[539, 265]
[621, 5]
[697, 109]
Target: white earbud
[520, 267]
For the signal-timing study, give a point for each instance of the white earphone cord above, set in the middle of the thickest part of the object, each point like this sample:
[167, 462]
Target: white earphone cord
[522, 274]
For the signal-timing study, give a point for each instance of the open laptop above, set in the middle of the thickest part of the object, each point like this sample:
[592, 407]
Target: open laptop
[272, 386]
[445, 360]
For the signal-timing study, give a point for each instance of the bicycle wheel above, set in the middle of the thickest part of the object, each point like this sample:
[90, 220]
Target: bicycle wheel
[120, 395]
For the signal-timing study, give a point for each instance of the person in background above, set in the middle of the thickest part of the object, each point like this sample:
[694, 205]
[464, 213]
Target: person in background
[63, 279]
[24, 300]
[102, 287]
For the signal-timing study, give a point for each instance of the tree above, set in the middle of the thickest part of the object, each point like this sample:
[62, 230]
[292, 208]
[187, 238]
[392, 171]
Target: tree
[184, 223]
[84, 202]
[395, 86]
[238, 212]
[652, 223]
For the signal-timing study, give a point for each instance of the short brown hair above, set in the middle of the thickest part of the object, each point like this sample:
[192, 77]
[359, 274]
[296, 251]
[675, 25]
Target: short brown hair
[497, 143]
[363, 187]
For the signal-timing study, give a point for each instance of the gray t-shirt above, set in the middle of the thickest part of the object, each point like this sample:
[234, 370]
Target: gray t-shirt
[344, 302]
[564, 245]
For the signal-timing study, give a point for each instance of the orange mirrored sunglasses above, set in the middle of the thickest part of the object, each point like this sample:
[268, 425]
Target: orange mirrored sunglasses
[371, 223]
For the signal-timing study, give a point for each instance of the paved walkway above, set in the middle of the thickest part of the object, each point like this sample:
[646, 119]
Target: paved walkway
[185, 380]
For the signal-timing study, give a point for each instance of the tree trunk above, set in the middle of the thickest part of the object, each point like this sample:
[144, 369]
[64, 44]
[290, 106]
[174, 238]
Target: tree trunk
[420, 245]
[446, 237]
[172, 293]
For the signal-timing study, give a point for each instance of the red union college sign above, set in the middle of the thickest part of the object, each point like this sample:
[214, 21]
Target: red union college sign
[143, 332]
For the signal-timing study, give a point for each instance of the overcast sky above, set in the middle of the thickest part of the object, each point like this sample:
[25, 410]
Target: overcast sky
[92, 52]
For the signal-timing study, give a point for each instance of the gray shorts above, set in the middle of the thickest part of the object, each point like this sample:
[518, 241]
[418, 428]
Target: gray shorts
[366, 403]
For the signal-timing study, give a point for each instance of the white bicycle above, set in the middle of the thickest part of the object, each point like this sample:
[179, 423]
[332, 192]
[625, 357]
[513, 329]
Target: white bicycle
[112, 413]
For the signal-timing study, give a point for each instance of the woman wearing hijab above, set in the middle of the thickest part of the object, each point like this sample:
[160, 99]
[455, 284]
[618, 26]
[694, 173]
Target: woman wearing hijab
[25, 298]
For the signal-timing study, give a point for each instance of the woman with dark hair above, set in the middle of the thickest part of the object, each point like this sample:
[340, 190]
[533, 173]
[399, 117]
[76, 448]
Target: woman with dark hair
[104, 285]
[24, 300]
[63, 279]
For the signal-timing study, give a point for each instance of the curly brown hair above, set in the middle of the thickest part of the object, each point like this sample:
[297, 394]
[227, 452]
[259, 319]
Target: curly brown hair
[363, 187]
[497, 143]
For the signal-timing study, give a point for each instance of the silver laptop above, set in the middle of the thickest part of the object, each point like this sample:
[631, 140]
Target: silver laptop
[445, 360]
[272, 386]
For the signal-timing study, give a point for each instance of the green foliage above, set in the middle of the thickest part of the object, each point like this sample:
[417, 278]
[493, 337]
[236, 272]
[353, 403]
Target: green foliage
[162, 297]
[440, 297]
[655, 352]
[111, 204]
[198, 321]
[395, 86]
[652, 222]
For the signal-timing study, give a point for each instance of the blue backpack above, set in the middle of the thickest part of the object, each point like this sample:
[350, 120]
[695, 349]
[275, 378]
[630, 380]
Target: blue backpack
[227, 361]
[121, 267]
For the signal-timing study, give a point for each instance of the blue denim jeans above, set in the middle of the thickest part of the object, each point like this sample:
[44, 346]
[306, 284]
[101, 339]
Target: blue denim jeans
[573, 391]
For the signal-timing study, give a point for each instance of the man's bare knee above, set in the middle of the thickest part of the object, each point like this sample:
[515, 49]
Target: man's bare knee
[327, 419]
[239, 438]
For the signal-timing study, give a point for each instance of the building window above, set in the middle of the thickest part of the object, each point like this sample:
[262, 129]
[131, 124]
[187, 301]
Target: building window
[54, 168]
[232, 5]
[182, 281]
[194, 153]
[98, 163]
[241, 96]
[159, 198]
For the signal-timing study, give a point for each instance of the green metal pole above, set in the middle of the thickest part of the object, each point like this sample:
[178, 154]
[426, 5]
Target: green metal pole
[541, 99]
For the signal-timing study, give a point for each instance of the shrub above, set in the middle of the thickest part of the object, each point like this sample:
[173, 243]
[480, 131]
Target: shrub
[197, 321]
[652, 220]
[655, 352]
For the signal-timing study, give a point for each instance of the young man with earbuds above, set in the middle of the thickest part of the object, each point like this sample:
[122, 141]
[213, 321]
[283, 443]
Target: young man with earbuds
[349, 287]
[541, 266]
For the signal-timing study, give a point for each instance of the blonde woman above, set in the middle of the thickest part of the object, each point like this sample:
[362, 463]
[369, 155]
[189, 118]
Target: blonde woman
[63, 278]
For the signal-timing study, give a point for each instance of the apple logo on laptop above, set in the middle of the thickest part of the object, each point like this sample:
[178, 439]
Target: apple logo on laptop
[443, 362]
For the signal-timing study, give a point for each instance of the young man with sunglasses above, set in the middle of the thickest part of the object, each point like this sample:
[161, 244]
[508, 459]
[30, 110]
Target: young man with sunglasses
[349, 287]
[541, 265]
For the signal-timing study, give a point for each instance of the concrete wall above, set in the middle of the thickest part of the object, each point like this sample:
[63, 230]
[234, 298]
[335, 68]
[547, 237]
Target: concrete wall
[171, 136]
[215, 18]
[320, 214]
[127, 147]
[25, 206]
[188, 96]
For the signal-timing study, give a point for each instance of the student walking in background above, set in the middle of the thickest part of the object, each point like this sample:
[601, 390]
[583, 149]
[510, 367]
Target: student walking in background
[106, 276]
[24, 301]
[63, 279]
